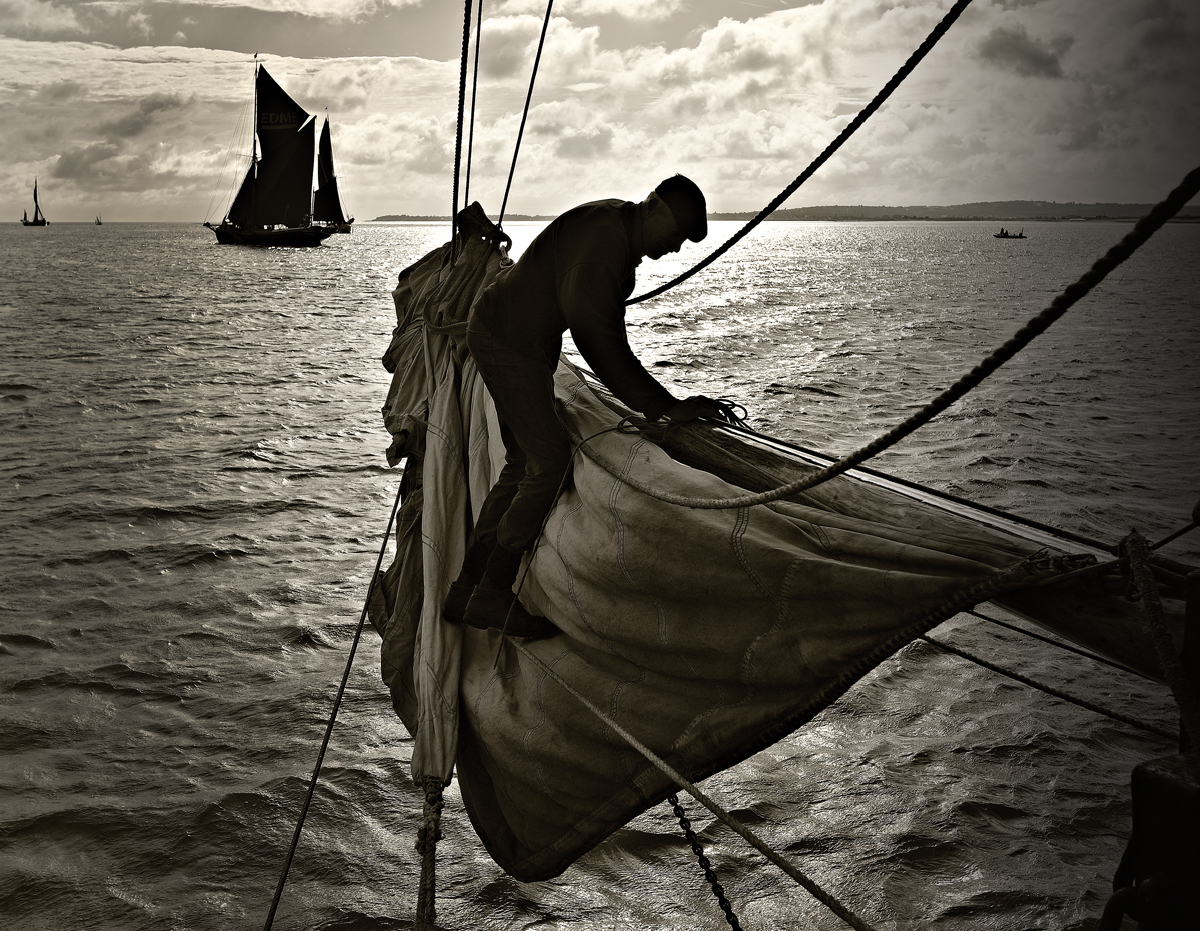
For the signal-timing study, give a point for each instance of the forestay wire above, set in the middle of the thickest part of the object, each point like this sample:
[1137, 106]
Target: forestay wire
[525, 112]
[474, 95]
[863, 116]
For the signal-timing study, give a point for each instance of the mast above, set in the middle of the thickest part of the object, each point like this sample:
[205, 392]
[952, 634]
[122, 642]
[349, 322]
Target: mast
[254, 136]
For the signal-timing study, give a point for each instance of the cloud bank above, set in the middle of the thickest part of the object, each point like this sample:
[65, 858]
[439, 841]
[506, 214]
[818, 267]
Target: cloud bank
[1066, 100]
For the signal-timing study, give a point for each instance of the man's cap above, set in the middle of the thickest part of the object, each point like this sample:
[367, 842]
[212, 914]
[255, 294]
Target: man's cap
[686, 202]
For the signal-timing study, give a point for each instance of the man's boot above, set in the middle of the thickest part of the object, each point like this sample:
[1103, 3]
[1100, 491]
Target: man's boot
[473, 567]
[493, 602]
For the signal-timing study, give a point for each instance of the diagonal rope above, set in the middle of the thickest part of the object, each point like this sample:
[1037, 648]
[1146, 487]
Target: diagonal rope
[722, 815]
[1145, 228]
[863, 115]
[525, 112]
[1060, 644]
[1049, 690]
[462, 93]
[337, 703]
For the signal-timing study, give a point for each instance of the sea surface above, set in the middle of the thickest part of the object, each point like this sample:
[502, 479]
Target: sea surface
[195, 492]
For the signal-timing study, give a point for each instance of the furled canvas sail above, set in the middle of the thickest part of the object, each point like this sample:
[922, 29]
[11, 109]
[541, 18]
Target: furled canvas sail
[327, 205]
[734, 626]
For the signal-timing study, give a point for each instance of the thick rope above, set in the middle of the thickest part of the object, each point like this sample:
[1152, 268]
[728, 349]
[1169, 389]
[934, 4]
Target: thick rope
[462, 93]
[863, 115]
[525, 112]
[698, 850]
[722, 815]
[337, 703]
[428, 835]
[474, 95]
[1156, 626]
[1145, 228]
[1049, 690]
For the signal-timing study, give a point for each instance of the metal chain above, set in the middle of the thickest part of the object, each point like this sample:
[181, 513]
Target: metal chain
[704, 864]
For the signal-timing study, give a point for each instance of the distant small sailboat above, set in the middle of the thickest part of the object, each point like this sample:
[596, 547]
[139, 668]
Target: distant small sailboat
[275, 204]
[39, 218]
[1005, 234]
[98, 223]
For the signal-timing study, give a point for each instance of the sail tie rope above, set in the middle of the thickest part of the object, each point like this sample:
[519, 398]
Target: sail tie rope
[337, 703]
[1049, 690]
[694, 841]
[1142, 231]
[1177, 678]
[428, 835]
[862, 117]
[721, 814]
[462, 92]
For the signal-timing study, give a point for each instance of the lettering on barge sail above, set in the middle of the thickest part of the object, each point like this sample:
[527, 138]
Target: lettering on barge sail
[290, 119]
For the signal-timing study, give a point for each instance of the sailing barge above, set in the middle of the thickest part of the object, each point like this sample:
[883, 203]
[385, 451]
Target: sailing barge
[276, 204]
[39, 218]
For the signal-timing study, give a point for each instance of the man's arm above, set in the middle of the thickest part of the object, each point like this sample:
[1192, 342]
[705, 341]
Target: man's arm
[594, 308]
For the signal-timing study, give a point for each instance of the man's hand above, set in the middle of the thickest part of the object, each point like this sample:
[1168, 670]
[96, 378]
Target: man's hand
[696, 406]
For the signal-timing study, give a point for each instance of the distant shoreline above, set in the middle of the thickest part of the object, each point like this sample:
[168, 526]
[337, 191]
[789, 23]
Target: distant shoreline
[1006, 211]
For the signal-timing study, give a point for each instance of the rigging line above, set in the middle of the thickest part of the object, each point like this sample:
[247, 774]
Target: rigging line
[337, 703]
[1156, 626]
[1062, 646]
[525, 112]
[721, 814]
[462, 92]
[1049, 690]
[1145, 228]
[863, 115]
[1057, 532]
[474, 94]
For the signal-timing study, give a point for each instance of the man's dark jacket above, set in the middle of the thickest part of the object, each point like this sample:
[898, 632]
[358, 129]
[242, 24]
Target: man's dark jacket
[577, 274]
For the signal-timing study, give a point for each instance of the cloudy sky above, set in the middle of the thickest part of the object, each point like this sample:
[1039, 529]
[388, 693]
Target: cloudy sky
[137, 108]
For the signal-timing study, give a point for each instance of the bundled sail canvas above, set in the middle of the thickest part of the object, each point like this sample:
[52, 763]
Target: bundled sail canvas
[707, 634]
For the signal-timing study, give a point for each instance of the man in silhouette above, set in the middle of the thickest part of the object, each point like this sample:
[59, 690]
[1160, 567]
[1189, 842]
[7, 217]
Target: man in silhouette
[576, 275]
